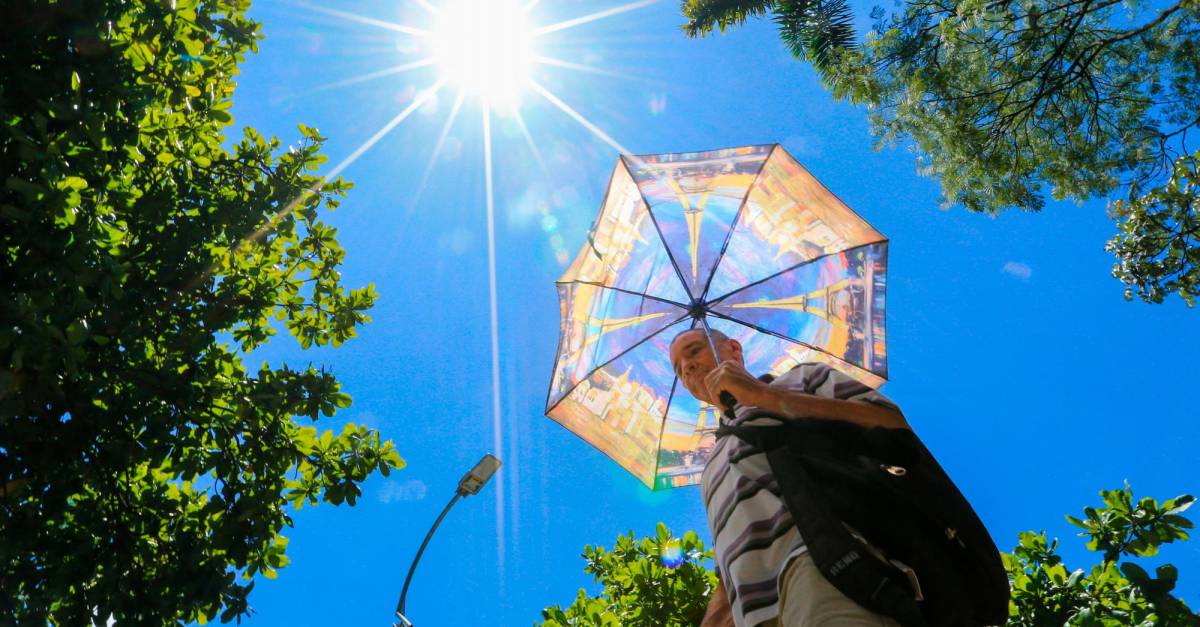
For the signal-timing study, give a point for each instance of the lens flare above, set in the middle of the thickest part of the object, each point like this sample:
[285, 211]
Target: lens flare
[672, 554]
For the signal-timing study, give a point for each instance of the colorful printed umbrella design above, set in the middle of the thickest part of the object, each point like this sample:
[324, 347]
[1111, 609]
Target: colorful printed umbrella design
[744, 238]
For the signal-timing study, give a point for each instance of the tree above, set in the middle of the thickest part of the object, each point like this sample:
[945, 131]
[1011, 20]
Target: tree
[144, 470]
[658, 581]
[1008, 100]
[1116, 592]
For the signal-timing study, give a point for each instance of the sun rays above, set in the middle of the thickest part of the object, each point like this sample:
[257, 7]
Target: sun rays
[370, 76]
[592, 17]
[579, 117]
[367, 20]
[486, 51]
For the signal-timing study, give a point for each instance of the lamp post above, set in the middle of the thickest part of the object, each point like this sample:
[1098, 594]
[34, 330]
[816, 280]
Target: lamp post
[471, 483]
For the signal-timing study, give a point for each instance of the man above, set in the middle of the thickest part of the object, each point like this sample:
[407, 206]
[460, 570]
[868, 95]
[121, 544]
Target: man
[766, 575]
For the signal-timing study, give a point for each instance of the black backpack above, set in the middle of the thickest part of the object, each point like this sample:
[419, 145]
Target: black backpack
[886, 485]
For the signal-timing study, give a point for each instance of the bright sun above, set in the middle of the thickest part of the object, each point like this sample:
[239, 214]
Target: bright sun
[485, 47]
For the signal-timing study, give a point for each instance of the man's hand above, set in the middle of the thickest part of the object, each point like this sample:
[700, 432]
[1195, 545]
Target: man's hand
[718, 614]
[732, 377]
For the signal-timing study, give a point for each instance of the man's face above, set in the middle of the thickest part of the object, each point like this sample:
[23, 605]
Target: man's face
[692, 359]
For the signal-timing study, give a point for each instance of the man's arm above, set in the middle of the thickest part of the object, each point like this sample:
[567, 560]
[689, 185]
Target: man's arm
[799, 405]
[731, 377]
[718, 614]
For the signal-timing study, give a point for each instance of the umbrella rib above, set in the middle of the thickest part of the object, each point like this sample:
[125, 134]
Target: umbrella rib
[595, 224]
[554, 372]
[662, 428]
[657, 229]
[624, 291]
[789, 269]
[733, 226]
[611, 359]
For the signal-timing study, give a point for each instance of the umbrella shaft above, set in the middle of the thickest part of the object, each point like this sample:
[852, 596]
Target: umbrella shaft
[727, 399]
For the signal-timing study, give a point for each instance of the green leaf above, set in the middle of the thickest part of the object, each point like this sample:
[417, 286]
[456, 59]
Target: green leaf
[72, 183]
[76, 332]
[1178, 504]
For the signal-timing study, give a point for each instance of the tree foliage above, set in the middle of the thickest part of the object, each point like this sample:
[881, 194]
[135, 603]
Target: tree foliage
[144, 470]
[1117, 592]
[705, 15]
[814, 30]
[1158, 239]
[1008, 101]
[658, 581]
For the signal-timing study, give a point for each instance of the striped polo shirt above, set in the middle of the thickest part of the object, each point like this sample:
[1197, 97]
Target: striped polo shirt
[753, 535]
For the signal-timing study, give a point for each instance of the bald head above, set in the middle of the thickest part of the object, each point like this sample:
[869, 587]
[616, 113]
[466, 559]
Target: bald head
[717, 336]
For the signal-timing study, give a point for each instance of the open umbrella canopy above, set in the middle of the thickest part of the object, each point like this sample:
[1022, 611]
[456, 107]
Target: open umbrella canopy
[744, 239]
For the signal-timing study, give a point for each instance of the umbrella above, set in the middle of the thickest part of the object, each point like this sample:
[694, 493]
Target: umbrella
[741, 240]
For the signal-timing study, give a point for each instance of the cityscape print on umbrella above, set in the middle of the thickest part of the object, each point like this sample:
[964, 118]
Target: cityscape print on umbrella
[746, 238]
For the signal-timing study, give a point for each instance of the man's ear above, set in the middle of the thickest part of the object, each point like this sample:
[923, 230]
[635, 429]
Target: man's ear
[736, 346]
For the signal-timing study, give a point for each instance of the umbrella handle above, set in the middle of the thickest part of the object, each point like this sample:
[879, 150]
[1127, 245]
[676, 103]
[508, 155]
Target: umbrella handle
[728, 402]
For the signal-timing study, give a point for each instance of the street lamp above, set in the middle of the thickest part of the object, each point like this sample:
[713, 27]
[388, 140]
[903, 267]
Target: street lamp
[471, 483]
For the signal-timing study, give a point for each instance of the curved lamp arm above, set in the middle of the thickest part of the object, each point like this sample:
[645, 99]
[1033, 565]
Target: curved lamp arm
[471, 483]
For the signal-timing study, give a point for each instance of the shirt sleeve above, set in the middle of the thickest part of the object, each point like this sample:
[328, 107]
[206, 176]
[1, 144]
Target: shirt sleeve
[822, 380]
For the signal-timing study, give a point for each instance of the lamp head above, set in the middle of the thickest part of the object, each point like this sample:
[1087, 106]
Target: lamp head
[477, 477]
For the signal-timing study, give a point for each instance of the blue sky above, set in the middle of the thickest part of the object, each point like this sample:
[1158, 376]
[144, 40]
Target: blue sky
[1012, 351]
